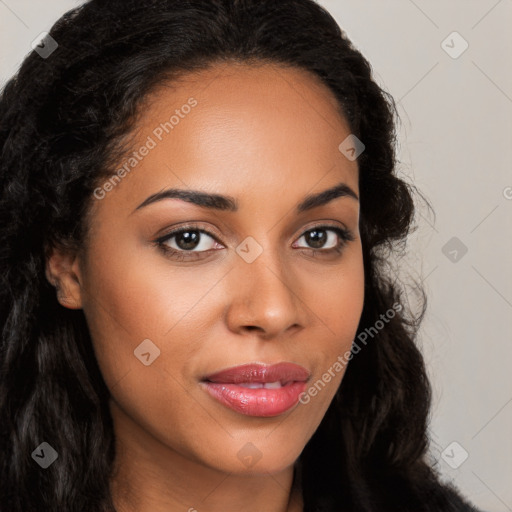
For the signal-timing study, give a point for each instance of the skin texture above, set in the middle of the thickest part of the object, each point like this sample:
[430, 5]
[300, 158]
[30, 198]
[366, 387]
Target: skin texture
[267, 136]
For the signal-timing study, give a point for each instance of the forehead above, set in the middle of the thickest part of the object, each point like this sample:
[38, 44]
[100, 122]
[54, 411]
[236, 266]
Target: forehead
[240, 129]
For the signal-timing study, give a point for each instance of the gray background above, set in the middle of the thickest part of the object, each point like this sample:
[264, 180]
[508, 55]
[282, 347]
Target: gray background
[455, 146]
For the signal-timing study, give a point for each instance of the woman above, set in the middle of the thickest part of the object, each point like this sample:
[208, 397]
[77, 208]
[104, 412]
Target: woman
[197, 203]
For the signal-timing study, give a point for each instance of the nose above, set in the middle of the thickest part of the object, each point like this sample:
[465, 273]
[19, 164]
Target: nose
[265, 297]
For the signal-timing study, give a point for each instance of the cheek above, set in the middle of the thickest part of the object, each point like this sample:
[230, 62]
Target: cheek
[138, 297]
[142, 314]
[125, 303]
[338, 302]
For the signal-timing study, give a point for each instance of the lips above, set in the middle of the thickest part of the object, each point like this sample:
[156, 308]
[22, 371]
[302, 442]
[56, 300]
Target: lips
[258, 389]
[260, 373]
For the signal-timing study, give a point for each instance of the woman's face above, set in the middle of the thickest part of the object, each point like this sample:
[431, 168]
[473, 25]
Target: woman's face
[249, 281]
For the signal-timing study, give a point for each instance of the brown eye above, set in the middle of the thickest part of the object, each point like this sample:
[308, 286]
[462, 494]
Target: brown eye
[326, 238]
[317, 238]
[188, 239]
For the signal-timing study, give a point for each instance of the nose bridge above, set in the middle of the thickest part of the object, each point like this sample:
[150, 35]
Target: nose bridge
[264, 294]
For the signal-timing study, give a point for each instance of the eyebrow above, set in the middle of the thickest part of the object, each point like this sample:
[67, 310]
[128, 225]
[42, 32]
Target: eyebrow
[228, 203]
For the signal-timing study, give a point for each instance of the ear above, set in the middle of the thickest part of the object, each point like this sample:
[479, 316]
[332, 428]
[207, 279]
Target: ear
[63, 272]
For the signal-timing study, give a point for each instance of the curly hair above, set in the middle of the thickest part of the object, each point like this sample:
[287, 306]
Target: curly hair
[63, 121]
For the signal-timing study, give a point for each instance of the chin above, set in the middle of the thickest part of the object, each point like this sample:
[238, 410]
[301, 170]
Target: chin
[251, 460]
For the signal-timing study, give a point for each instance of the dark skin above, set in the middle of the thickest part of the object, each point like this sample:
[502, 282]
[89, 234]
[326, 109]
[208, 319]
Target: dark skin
[268, 137]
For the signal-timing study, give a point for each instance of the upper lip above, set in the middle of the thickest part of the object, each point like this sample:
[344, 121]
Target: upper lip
[257, 372]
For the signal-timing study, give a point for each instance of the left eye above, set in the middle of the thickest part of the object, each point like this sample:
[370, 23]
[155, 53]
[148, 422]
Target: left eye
[318, 238]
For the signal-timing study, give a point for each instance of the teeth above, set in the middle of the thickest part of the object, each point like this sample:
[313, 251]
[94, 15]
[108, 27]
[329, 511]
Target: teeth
[259, 385]
[273, 385]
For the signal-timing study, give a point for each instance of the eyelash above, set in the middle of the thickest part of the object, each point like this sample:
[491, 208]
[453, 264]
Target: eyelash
[345, 236]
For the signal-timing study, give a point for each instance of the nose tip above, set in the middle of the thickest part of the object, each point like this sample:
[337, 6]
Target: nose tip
[263, 299]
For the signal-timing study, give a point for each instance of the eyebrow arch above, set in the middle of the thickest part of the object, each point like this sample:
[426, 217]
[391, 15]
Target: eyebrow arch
[228, 203]
[322, 198]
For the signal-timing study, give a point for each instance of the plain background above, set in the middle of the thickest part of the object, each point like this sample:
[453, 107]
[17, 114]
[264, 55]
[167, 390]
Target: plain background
[456, 147]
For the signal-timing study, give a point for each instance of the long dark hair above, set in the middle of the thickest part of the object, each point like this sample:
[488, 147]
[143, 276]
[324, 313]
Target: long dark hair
[62, 121]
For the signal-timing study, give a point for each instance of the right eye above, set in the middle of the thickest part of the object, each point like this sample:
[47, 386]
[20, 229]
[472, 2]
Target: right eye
[186, 242]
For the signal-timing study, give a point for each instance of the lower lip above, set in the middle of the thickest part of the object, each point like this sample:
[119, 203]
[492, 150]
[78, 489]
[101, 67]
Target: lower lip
[256, 402]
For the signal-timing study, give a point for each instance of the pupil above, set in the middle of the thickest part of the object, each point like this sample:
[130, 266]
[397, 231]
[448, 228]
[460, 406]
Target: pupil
[317, 238]
[190, 239]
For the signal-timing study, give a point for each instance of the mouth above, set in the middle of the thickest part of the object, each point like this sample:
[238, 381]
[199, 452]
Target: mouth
[257, 389]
